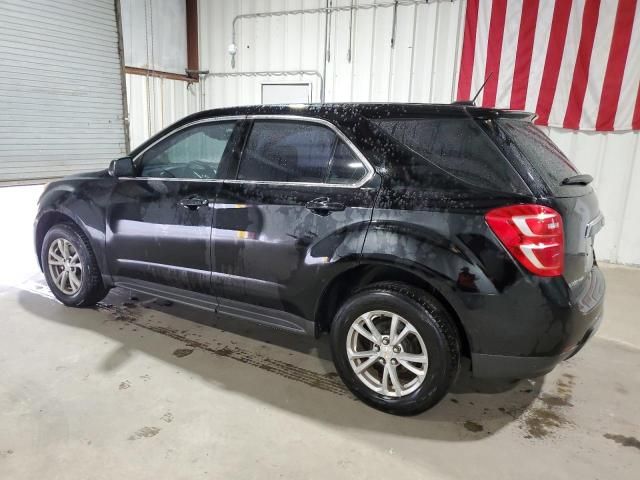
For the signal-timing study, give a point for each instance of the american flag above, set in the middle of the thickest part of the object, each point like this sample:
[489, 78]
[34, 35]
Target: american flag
[576, 63]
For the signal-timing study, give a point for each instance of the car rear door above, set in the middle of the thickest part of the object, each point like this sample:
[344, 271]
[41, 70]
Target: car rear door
[292, 214]
[159, 223]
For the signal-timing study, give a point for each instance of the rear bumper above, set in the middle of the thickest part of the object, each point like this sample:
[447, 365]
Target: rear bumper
[511, 366]
[546, 325]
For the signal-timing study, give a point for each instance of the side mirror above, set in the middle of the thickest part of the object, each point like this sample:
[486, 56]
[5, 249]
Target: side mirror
[122, 167]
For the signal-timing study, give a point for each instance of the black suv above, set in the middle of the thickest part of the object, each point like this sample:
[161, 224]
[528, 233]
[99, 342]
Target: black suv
[414, 234]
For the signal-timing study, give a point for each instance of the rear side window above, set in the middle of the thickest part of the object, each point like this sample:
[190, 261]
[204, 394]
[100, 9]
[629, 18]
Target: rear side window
[458, 146]
[543, 155]
[291, 151]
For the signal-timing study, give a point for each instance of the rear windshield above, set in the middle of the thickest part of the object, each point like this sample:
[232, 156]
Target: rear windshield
[541, 153]
[459, 147]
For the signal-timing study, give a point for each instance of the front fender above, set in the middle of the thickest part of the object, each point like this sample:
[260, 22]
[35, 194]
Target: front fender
[83, 201]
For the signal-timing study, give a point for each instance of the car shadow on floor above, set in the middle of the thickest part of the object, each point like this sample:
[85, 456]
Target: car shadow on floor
[473, 410]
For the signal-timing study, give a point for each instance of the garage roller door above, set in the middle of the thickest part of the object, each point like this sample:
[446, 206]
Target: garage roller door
[61, 108]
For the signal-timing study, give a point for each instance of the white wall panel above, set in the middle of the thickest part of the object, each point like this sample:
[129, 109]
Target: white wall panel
[614, 161]
[154, 34]
[155, 103]
[420, 68]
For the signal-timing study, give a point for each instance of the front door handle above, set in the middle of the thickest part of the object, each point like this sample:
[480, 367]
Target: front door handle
[324, 206]
[193, 202]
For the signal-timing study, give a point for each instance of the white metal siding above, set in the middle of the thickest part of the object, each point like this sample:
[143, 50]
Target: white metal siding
[154, 33]
[420, 68]
[614, 161]
[61, 108]
[155, 103]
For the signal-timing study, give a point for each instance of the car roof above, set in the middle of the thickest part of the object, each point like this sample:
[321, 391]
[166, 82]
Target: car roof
[337, 113]
[372, 109]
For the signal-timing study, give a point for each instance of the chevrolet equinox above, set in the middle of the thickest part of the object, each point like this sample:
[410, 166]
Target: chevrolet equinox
[414, 234]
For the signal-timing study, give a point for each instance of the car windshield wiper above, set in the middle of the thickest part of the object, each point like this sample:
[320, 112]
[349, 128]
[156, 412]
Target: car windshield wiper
[583, 179]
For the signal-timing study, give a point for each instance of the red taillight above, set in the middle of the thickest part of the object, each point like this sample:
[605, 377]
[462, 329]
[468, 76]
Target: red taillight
[533, 234]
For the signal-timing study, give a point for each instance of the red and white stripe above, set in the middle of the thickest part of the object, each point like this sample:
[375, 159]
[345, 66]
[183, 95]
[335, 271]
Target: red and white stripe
[576, 63]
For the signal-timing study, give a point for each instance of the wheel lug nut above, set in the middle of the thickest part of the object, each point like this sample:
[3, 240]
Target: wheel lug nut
[382, 361]
[376, 348]
[394, 361]
[385, 341]
[396, 349]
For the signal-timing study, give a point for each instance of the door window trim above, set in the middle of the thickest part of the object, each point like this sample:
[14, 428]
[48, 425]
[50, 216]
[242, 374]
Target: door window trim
[341, 136]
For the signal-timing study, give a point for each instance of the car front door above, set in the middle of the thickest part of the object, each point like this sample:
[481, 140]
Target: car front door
[293, 213]
[159, 223]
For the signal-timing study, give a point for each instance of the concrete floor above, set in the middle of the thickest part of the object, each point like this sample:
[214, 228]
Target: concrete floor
[138, 389]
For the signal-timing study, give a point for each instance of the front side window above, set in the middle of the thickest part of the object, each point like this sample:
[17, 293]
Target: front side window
[290, 151]
[194, 152]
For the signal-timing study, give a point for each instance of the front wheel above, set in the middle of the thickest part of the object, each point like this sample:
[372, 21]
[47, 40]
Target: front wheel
[396, 348]
[70, 267]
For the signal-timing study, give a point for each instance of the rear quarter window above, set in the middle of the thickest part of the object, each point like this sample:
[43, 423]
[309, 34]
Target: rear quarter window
[526, 140]
[459, 147]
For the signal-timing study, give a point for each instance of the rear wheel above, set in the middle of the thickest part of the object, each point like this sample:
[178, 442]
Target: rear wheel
[70, 267]
[396, 348]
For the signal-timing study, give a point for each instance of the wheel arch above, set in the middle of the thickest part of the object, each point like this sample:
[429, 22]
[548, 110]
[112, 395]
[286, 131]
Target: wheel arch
[348, 281]
[48, 220]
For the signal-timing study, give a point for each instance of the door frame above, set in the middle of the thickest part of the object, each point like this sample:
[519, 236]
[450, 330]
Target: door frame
[235, 140]
[270, 316]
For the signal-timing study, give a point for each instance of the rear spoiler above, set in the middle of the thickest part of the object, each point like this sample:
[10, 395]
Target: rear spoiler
[492, 113]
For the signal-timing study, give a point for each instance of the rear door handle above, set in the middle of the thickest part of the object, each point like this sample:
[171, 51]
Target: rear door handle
[324, 206]
[193, 202]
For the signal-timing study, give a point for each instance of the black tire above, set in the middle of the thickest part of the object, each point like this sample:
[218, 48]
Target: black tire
[92, 289]
[433, 323]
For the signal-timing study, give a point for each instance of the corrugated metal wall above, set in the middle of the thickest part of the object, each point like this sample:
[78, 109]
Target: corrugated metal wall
[155, 103]
[61, 105]
[614, 161]
[421, 67]
[154, 34]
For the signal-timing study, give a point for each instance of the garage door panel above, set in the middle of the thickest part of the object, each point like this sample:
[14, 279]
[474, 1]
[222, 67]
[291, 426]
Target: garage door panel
[44, 59]
[61, 88]
[61, 150]
[51, 137]
[74, 18]
[48, 51]
[72, 163]
[58, 95]
[51, 131]
[60, 75]
[29, 30]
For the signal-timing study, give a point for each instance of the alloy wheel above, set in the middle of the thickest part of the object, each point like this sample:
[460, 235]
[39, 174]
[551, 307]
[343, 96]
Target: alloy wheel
[65, 266]
[387, 353]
